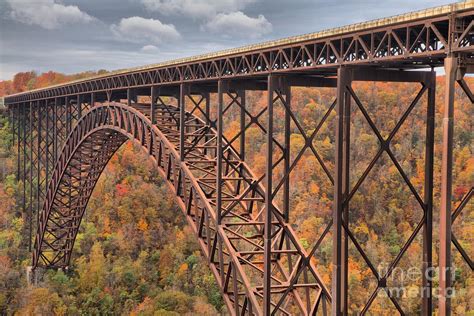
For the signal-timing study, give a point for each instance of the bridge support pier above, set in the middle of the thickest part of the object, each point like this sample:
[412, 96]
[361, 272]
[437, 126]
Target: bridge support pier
[278, 94]
[25, 162]
[343, 192]
[340, 181]
[455, 72]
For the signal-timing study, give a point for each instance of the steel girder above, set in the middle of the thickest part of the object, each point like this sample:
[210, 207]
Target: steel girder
[421, 42]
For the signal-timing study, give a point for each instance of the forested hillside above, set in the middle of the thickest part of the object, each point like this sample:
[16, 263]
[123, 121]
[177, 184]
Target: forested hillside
[135, 255]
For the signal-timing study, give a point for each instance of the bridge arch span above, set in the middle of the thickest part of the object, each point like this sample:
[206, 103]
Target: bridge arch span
[233, 246]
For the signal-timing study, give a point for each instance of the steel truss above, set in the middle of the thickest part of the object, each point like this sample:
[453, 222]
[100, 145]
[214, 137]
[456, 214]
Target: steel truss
[65, 136]
[408, 44]
[235, 259]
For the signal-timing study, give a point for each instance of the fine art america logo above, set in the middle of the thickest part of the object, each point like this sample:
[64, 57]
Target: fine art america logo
[405, 283]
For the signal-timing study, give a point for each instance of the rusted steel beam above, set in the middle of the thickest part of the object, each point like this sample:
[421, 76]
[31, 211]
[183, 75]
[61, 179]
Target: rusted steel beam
[268, 218]
[346, 121]
[153, 96]
[445, 260]
[242, 106]
[32, 163]
[222, 89]
[183, 92]
[55, 129]
[19, 124]
[286, 153]
[24, 142]
[40, 157]
[428, 274]
[343, 80]
[79, 105]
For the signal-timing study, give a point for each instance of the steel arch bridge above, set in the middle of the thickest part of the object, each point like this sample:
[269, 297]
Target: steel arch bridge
[233, 258]
[66, 134]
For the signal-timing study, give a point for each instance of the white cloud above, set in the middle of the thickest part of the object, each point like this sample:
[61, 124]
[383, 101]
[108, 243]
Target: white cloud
[222, 17]
[140, 30]
[238, 24]
[46, 13]
[149, 49]
[195, 8]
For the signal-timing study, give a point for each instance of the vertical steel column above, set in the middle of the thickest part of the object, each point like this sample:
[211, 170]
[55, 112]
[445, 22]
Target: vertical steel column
[129, 96]
[11, 109]
[79, 106]
[451, 69]
[68, 130]
[18, 142]
[92, 99]
[207, 112]
[267, 238]
[153, 96]
[343, 80]
[286, 158]
[55, 130]
[30, 212]
[39, 157]
[427, 299]
[241, 93]
[68, 117]
[222, 88]
[345, 210]
[183, 89]
[24, 155]
[48, 143]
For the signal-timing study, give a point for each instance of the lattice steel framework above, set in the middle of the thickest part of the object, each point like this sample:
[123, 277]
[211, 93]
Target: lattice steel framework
[234, 258]
[66, 135]
[344, 192]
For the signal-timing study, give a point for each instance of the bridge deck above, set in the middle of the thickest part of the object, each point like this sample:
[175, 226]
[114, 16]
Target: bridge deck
[412, 40]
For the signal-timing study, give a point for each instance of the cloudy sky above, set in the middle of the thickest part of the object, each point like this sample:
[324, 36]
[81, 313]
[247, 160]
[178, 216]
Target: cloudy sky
[77, 35]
